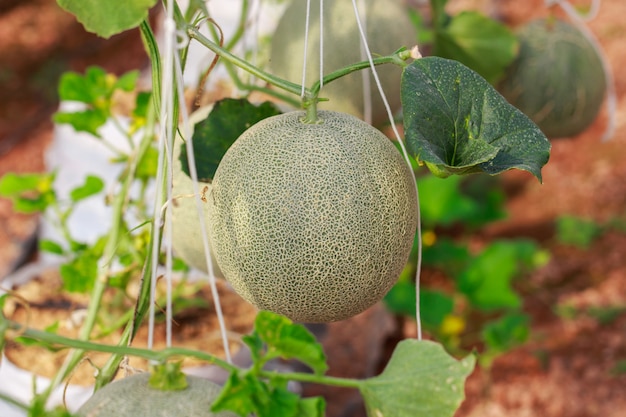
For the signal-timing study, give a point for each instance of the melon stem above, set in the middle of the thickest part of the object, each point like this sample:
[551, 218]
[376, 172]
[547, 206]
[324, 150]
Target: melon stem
[311, 116]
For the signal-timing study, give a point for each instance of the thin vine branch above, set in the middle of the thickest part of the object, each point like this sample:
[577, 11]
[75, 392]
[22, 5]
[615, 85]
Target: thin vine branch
[159, 356]
[397, 58]
[310, 94]
[294, 88]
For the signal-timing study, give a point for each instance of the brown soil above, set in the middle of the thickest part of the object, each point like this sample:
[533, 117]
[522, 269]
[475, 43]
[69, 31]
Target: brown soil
[568, 368]
[42, 303]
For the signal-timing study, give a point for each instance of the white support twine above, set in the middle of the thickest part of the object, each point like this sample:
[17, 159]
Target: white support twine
[172, 70]
[165, 118]
[306, 45]
[321, 44]
[406, 158]
[365, 74]
[580, 21]
[203, 228]
[255, 12]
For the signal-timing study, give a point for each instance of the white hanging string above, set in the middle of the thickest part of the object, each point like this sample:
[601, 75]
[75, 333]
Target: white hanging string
[571, 11]
[188, 134]
[255, 12]
[406, 158]
[165, 118]
[365, 74]
[580, 21]
[306, 46]
[321, 74]
[172, 70]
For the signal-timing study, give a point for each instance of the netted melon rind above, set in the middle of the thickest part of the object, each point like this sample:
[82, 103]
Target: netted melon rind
[557, 80]
[312, 221]
[133, 397]
[388, 28]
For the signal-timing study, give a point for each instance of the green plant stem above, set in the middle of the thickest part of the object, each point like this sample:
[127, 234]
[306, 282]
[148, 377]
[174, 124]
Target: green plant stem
[152, 48]
[439, 16]
[62, 224]
[181, 20]
[141, 307]
[239, 32]
[313, 378]
[237, 80]
[398, 58]
[294, 88]
[99, 287]
[311, 94]
[241, 26]
[117, 324]
[10, 400]
[287, 98]
[123, 132]
[311, 116]
[159, 356]
[118, 152]
[100, 284]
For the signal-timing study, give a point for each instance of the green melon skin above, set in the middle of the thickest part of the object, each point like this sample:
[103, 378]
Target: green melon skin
[388, 28]
[133, 397]
[312, 221]
[557, 79]
[186, 234]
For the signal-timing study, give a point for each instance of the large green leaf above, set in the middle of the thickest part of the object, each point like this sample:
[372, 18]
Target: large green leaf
[457, 123]
[108, 17]
[420, 380]
[213, 136]
[483, 44]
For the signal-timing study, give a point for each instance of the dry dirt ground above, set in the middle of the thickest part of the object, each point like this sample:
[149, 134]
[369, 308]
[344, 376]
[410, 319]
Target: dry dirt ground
[568, 368]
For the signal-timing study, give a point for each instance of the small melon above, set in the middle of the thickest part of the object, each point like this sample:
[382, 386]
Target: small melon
[186, 234]
[557, 79]
[133, 397]
[312, 221]
[388, 28]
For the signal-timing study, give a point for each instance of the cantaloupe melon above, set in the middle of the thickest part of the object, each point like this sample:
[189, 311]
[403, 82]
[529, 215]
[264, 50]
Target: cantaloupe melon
[312, 221]
[557, 79]
[388, 28]
[133, 397]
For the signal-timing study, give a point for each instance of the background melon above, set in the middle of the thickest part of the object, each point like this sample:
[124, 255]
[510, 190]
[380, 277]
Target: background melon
[186, 234]
[312, 221]
[133, 397]
[557, 79]
[388, 29]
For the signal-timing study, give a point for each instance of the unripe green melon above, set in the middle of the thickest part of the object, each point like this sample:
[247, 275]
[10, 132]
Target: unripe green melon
[312, 221]
[557, 79]
[388, 28]
[186, 234]
[133, 397]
